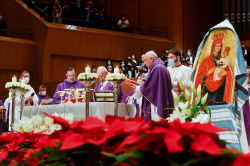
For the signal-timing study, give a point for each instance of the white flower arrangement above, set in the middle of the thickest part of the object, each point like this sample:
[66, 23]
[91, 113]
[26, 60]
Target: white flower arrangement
[185, 111]
[87, 76]
[18, 85]
[41, 124]
[116, 77]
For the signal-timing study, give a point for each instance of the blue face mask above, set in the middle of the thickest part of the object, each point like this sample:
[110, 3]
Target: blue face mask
[123, 65]
[171, 62]
[109, 63]
[94, 70]
[189, 54]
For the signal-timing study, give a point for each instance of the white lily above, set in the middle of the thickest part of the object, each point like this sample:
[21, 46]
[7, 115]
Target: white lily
[199, 90]
[175, 96]
[204, 99]
[181, 84]
[187, 94]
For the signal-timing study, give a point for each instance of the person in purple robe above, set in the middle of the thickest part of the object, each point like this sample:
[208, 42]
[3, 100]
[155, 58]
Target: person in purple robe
[157, 99]
[42, 96]
[2, 114]
[246, 112]
[70, 82]
[104, 85]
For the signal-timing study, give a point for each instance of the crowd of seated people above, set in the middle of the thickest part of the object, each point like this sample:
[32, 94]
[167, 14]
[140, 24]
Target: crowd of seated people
[74, 12]
[186, 60]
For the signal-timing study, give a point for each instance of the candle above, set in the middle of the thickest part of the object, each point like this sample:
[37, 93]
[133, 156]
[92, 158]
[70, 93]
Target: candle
[22, 81]
[87, 69]
[116, 70]
[14, 79]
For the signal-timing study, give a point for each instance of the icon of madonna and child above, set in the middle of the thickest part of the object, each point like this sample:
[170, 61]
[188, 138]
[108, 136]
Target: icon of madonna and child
[214, 72]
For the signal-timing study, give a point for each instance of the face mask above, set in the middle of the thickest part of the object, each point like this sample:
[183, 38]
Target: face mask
[109, 63]
[27, 79]
[78, 3]
[1, 17]
[94, 70]
[123, 65]
[133, 57]
[189, 53]
[43, 93]
[171, 62]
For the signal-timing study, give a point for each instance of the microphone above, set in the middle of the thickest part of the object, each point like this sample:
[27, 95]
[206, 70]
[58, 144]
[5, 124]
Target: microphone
[32, 94]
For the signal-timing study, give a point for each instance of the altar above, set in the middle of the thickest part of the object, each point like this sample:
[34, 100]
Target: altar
[97, 109]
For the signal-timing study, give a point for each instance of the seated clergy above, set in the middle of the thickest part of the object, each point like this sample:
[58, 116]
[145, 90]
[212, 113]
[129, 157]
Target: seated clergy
[42, 96]
[104, 85]
[70, 82]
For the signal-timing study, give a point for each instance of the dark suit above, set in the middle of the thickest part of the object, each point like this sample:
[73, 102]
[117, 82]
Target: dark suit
[247, 57]
[144, 66]
[3, 26]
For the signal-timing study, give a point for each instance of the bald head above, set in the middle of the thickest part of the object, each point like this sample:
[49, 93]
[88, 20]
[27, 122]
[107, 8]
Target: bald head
[150, 57]
[102, 73]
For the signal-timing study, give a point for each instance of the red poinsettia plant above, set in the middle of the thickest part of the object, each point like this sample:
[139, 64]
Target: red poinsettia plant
[120, 142]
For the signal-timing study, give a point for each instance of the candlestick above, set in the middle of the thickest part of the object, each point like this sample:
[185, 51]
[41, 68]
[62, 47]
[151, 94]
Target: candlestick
[116, 70]
[14, 79]
[87, 69]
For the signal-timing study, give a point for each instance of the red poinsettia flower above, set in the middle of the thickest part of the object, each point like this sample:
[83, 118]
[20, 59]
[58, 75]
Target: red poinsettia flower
[173, 141]
[241, 160]
[3, 155]
[204, 143]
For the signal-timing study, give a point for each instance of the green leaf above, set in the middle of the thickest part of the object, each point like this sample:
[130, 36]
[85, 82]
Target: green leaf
[135, 154]
[188, 119]
[182, 97]
[57, 155]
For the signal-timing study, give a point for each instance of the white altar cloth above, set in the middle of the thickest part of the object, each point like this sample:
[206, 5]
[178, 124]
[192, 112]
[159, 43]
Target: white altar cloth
[97, 109]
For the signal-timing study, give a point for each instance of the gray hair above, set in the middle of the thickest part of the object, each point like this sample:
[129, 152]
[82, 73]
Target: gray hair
[102, 69]
[152, 54]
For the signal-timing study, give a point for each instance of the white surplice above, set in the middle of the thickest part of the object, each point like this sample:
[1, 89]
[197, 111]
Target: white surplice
[8, 105]
[180, 72]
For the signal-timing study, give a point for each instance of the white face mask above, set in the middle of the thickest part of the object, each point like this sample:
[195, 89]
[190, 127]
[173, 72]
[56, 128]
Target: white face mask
[1, 17]
[43, 93]
[27, 79]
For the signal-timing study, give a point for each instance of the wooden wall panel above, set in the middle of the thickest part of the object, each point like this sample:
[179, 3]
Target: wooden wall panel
[17, 54]
[59, 65]
[80, 63]
[199, 17]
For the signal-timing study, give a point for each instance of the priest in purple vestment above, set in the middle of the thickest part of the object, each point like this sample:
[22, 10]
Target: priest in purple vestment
[104, 85]
[2, 114]
[42, 96]
[246, 112]
[157, 98]
[70, 82]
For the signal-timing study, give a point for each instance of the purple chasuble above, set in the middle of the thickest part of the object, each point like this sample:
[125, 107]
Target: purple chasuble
[246, 113]
[135, 103]
[4, 110]
[157, 91]
[41, 97]
[109, 87]
[66, 85]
